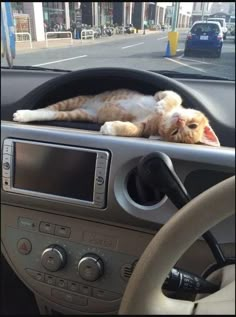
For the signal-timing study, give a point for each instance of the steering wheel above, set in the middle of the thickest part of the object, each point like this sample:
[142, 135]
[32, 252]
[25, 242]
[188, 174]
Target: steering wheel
[144, 295]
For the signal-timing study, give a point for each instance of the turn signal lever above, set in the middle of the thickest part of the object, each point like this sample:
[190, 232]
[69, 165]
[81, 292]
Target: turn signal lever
[188, 282]
[156, 171]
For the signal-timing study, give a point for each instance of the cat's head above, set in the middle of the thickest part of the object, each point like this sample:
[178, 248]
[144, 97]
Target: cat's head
[188, 126]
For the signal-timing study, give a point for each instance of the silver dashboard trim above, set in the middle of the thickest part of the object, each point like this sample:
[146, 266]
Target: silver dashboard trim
[101, 168]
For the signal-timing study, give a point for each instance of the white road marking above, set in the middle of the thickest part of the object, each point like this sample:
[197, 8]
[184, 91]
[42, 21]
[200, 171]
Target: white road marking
[196, 61]
[61, 60]
[124, 47]
[186, 65]
[162, 38]
[180, 55]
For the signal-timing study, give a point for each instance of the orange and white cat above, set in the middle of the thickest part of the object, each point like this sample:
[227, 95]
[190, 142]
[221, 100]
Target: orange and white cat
[125, 112]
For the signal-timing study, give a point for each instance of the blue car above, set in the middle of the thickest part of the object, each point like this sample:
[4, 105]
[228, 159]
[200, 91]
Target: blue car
[204, 37]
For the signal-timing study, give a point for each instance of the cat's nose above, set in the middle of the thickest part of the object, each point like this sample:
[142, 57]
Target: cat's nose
[180, 122]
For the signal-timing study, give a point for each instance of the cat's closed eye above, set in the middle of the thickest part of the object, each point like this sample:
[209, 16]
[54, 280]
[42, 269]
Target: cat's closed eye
[175, 131]
[193, 126]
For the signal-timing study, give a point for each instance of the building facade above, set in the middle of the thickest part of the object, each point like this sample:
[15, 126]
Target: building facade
[200, 10]
[48, 16]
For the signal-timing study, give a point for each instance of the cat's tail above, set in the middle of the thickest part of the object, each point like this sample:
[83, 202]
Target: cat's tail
[168, 97]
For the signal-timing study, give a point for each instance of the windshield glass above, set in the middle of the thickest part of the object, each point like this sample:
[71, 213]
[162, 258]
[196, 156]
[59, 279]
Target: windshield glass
[205, 28]
[217, 20]
[144, 35]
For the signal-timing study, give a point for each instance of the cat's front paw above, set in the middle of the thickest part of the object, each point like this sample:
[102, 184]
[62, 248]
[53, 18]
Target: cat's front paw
[23, 116]
[108, 128]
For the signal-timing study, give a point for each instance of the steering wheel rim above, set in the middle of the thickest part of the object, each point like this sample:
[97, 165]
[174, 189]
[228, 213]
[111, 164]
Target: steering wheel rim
[109, 78]
[78, 82]
[143, 294]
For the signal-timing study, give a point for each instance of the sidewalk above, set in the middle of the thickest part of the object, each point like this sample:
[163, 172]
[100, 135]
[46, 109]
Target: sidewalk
[24, 47]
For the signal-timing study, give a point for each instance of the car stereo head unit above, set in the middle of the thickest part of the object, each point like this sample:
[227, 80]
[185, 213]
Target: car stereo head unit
[62, 173]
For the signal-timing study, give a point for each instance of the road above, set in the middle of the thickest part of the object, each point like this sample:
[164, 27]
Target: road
[144, 52]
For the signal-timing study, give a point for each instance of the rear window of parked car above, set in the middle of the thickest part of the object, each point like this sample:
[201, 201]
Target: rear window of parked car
[220, 21]
[201, 28]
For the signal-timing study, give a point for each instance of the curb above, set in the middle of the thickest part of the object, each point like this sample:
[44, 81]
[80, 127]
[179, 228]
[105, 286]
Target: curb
[79, 43]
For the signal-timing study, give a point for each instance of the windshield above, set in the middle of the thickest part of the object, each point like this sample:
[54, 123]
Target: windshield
[217, 20]
[205, 28]
[144, 35]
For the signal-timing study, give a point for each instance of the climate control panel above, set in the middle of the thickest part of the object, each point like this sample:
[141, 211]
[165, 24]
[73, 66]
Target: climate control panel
[90, 267]
[53, 258]
[81, 265]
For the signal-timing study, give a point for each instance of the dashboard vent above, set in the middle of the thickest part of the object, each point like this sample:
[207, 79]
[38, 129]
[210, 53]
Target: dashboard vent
[127, 270]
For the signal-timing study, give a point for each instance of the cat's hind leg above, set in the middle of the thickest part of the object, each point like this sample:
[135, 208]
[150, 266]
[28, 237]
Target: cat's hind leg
[121, 128]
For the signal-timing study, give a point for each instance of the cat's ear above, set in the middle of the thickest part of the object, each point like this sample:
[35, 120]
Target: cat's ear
[209, 137]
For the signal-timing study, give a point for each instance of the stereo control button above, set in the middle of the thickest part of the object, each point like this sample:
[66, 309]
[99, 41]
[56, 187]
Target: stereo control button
[73, 286]
[100, 180]
[101, 164]
[49, 279]
[46, 227]
[100, 172]
[99, 198]
[105, 295]
[6, 158]
[69, 298]
[62, 231]
[61, 283]
[39, 276]
[6, 183]
[85, 290]
[6, 164]
[7, 149]
[102, 156]
[7, 142]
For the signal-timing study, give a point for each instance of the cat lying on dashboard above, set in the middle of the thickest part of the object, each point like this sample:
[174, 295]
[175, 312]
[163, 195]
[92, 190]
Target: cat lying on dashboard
[125, 112]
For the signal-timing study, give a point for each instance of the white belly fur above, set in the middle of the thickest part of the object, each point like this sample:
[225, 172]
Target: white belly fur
[140, 107]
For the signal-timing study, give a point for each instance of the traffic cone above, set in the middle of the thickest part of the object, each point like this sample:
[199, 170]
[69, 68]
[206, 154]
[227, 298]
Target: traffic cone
[167, 53]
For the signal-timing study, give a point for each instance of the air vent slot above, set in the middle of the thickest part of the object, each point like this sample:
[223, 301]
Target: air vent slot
[127, 270]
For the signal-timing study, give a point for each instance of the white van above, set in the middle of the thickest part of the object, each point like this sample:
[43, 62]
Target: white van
[222, 23]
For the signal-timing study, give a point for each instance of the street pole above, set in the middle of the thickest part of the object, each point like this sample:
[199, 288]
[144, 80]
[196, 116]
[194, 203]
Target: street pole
[177, 17]
[124, 16]
[174, 16]
[173, 36]
[203, 5]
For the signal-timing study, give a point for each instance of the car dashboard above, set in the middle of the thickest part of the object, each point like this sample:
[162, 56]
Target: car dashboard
[77, 257]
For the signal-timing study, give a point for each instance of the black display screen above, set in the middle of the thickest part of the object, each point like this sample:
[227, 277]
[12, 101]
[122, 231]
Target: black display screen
[53, 170]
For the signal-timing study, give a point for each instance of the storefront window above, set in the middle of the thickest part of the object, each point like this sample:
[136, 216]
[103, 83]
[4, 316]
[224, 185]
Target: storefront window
[106, 13]
[54, 16]
[72, 11]
[17, 7]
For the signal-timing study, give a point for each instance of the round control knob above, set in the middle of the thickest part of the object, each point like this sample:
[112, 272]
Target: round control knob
[90, 267]
[53, 258]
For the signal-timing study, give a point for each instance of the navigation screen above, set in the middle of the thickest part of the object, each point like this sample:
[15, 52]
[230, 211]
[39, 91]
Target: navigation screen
[53, 170]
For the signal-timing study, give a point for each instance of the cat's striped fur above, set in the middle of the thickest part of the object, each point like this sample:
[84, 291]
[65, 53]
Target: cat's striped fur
[125, 112]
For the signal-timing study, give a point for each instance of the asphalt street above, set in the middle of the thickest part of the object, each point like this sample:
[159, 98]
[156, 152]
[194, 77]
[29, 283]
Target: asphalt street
[144, 52]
